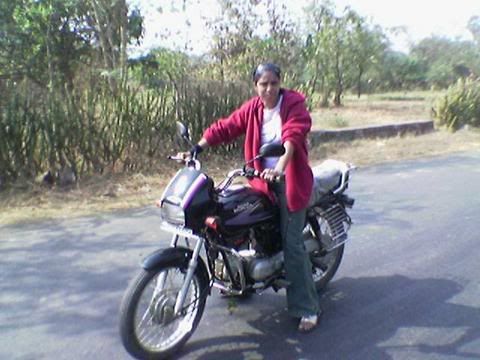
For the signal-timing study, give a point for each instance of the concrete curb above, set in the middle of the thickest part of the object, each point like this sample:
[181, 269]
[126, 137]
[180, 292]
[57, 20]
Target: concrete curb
[411, 127]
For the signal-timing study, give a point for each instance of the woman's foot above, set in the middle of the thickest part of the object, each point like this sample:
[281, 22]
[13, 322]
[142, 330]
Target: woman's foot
[308, 323]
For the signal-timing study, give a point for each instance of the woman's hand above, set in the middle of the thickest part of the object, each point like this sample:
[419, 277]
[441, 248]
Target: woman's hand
[270, 175]
[184, 155]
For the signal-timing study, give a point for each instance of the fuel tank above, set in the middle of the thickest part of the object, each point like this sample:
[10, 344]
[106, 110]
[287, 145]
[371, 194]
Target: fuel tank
[241, 208]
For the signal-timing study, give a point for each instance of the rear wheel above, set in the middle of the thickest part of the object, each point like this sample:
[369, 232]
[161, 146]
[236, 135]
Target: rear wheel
[325, 267]
[148, 326]
[325, 263]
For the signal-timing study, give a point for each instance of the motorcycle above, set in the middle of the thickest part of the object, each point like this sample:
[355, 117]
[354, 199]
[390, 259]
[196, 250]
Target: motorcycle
[238, 229]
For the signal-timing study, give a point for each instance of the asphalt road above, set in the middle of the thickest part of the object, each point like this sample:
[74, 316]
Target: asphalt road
[408, 287]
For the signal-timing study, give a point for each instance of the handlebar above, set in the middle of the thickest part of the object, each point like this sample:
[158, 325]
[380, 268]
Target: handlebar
[176, 158]
[194, 163]
[251, 173]
[247, 172]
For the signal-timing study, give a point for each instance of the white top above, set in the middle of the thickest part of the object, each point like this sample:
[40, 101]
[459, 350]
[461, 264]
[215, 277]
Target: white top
[272, 131]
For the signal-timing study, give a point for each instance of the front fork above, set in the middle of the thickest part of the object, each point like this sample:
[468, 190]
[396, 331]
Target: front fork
[174, 241]
[192, 266]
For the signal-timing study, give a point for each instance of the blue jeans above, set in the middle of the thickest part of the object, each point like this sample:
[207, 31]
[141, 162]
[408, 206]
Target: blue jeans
[302, 296]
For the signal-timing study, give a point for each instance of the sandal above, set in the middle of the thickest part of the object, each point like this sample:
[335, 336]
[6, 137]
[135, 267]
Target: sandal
[308, 323]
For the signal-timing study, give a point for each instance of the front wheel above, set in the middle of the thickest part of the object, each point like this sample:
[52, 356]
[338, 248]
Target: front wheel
[149, 329]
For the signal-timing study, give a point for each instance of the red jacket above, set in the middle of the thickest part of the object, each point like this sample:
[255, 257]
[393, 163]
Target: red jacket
[296, 124]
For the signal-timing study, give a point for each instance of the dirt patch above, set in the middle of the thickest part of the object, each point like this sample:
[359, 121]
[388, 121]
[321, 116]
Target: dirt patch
[376, 151]
[376, 110]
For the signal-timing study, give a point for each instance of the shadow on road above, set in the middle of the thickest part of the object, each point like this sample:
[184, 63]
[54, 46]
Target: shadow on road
[66, 278]
[365, 318]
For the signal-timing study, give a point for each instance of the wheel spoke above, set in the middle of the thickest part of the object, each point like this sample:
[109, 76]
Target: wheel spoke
[154, 328]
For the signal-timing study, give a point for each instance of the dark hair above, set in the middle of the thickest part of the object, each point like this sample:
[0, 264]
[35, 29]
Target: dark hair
[262, 68]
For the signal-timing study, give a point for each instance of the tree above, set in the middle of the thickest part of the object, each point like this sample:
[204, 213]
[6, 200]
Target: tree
[47, 41]
[337, 46]
[115, 28]
[251, 32]
[233, 31]
[368, 47]
[474, 27]
[43, 41]
[446, 60]
[283, 44]
[398, 71]
[317, 54]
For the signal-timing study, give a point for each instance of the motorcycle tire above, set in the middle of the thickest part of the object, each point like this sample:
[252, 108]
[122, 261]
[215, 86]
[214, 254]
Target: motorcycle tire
[324, 263]
[148, 327]
[328, 273]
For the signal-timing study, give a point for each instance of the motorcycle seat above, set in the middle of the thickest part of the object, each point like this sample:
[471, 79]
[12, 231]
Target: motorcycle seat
[326, 177]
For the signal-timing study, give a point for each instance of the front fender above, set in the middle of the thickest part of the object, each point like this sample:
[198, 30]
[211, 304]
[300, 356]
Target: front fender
[167, 257]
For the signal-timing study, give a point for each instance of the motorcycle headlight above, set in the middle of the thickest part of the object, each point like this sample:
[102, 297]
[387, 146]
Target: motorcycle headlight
[172, 212]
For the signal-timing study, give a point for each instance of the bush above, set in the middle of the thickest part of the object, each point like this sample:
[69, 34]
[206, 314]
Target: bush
[203, 102]
[94, 130]
[460, 105]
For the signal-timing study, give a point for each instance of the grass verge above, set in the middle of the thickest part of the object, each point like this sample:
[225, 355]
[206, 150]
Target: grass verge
[376, 109]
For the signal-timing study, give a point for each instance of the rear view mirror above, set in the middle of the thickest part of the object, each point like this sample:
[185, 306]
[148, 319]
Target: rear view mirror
[271, 150]
[182, 131]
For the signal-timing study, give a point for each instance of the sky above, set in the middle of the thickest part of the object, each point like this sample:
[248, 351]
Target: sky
[420, 18]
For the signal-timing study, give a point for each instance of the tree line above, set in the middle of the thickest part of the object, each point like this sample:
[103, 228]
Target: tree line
[72, 99]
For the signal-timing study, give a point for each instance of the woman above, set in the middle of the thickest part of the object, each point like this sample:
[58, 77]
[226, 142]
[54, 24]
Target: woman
[278, 115]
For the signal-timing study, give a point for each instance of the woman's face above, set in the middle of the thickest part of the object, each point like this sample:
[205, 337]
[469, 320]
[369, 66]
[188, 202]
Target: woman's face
[268, 88]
